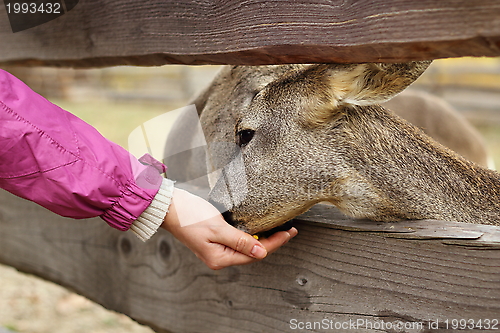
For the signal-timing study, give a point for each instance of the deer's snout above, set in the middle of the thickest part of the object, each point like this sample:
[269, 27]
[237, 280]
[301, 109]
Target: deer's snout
[226, 214]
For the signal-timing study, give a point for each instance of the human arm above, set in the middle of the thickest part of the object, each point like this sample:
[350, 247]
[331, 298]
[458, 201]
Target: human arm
[53, 158]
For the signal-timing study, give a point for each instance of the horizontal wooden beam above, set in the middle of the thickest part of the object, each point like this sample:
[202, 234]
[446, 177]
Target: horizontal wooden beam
[127, 32]
[336, 271]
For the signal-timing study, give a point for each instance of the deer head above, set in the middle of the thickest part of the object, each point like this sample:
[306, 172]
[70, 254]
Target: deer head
[280, 138]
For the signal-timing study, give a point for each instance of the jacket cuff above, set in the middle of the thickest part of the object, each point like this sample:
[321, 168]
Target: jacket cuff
[151, 219]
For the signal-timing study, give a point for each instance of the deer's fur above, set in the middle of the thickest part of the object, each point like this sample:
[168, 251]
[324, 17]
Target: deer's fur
[439, 120]
[321, 135]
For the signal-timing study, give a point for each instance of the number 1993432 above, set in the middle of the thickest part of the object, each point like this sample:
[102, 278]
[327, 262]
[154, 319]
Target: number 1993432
[33, 8]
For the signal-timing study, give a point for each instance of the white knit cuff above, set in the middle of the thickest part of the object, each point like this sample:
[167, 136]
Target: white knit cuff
[151, 219]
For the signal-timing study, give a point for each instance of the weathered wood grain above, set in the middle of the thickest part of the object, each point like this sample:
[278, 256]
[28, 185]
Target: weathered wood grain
[337, 270]
[125, 32]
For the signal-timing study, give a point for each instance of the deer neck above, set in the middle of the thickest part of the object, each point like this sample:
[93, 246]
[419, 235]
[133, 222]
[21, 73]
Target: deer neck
[400, 173]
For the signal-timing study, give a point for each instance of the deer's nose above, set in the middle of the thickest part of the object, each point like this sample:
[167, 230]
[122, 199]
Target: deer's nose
[226, 214]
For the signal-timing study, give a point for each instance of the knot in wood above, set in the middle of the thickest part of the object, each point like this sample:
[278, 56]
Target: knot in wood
[125, 246]
[164, 249]
[301, 281]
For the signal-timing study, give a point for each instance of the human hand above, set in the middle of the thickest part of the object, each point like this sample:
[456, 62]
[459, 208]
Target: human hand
[200, 226]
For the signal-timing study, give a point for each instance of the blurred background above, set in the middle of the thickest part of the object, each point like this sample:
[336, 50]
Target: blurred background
[116, 100]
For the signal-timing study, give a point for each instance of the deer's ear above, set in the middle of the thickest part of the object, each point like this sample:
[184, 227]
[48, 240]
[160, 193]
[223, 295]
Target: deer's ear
[372, 83]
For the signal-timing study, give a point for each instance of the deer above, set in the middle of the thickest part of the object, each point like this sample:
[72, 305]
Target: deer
[282, 138]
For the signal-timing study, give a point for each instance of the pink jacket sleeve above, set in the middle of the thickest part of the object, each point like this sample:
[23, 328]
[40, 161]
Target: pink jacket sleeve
[51, 157]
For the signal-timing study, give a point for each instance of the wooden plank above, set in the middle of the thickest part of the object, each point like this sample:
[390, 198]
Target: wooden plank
[327, 274]
[449, 232]
[126, 32]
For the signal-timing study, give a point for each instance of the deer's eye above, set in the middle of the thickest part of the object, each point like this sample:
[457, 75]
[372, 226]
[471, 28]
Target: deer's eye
[244, 137]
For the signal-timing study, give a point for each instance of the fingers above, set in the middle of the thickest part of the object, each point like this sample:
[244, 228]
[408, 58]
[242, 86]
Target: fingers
[225, 257]
[278, 239]
[246, 244]
[240, 242]
[234, 247]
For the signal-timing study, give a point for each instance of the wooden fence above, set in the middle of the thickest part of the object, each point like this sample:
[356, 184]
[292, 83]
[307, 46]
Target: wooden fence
[337, 269]
[338, 274]
[117, 32]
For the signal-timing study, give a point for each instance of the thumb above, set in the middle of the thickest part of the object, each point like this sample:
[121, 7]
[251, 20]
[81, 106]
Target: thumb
[241, 242]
